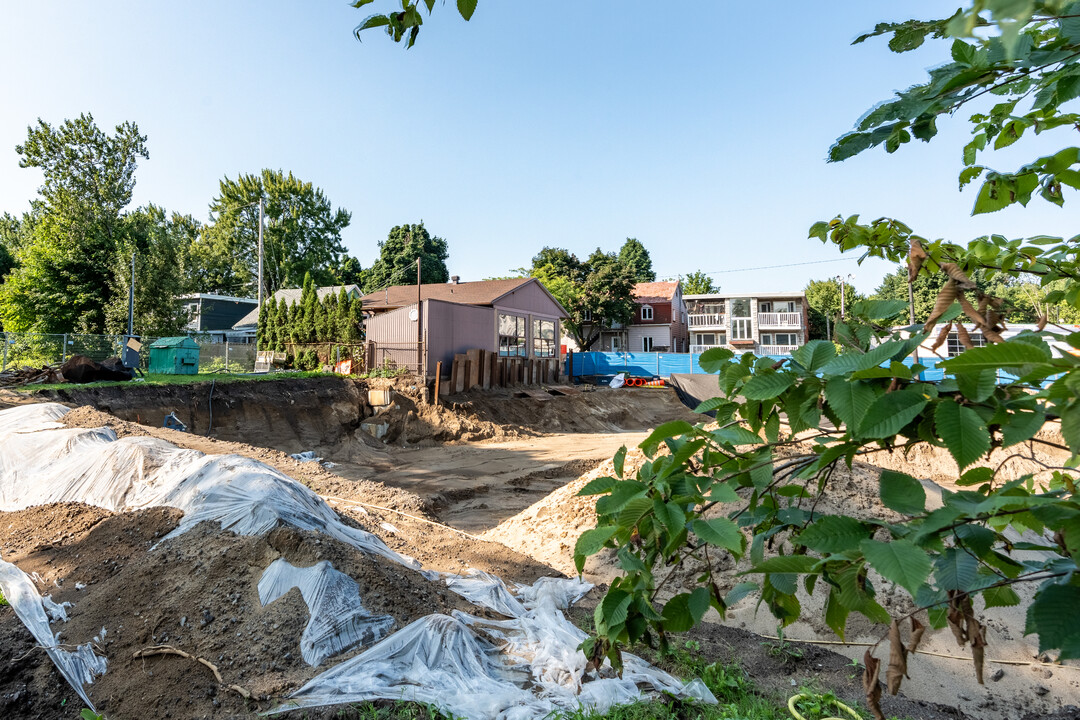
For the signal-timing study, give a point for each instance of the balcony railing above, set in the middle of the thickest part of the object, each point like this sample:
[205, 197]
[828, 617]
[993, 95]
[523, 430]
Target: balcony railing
[776, 349]
[698, 349]
[780, 319]
[706, 320]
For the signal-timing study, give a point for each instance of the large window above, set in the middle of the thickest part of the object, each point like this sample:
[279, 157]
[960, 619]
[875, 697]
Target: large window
[741, 329]
[646, 344]
[779, 339]
[740, 307]
[646, 312]
[512, 331]
[543, 338]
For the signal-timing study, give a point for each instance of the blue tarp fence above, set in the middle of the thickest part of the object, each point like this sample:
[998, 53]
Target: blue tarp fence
[665, 364]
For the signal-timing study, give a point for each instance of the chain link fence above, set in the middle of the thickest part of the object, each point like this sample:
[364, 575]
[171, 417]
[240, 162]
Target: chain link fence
[39, 349]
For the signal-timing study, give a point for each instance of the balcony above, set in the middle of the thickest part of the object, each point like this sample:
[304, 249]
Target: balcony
[698, 349]
[706, 320]
[775, 349]
[779, 320]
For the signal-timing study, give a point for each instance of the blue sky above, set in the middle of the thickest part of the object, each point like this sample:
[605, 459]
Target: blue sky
[701, 129]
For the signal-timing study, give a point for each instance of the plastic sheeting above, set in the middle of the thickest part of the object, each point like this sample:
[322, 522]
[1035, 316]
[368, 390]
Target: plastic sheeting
[94, 467]
[339, 621]
[79, 667]
[525, 667]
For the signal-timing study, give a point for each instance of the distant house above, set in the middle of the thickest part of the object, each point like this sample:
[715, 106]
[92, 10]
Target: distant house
[249, 323]
[658, 323]
[215, 315]
[515, 318]
[764, 323]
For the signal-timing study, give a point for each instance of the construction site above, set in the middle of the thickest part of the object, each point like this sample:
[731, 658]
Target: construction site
[308, 546]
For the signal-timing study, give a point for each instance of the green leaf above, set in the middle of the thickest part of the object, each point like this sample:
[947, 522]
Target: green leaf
[1000, 597]
[899, 561]
[836, 614]
[1009, 354]
[685, 610]
[711, 404]
[963, 431]
[891, 412]
[1022, 426]
[767, 386]
[738, 592]
[849, 400]
[713, 360]
[632, 513]
[619, 460]
[902, 493]
[721, 492]
[976, 476]
[814, 354]
[590, 543]
[614, 607]
[599, 486]
[955, 569]
[977, 386]
[665, 431]
[622, 493]
[1053, 616]
[853, 361]
[720, 532]
[736, 435]
[786, 564]
[833, 533]
[466, 8]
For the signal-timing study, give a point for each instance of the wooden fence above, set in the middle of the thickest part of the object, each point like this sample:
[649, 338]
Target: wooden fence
[487, 369]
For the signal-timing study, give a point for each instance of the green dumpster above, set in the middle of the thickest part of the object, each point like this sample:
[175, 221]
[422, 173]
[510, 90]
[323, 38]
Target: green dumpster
[174, 356]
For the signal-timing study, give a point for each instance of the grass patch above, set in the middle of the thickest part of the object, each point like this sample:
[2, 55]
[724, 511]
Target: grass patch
[3, 600]
[163, 379]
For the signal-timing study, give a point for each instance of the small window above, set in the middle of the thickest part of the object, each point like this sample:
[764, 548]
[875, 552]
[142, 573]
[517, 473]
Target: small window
[586, 316]
[646, 344]
[765, 307]
[706, 339]
[740, 307]
[786, 339]
[646, 313]
[766, 339]
[955, 347]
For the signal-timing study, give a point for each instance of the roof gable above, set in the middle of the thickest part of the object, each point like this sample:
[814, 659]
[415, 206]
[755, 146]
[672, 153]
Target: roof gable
[655, 291]
[481, 292]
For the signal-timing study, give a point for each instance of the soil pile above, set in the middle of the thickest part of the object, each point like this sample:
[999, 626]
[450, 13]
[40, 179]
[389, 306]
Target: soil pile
[548, 530]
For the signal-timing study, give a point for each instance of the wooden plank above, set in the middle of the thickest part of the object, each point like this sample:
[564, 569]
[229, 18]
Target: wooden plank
[460, 370]
[536, 394]
[438, 380]
[474, 368]
[485, 375]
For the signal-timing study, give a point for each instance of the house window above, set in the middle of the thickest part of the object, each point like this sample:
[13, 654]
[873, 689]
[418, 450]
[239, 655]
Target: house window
[765, 307]
[740, 307]
[784, 339]
[646, 312]
[512, 330]
[543, 338]
[741, 329]
[955, 347]
[706, 339]
[586, 316]
[615, 343]
[646, 344]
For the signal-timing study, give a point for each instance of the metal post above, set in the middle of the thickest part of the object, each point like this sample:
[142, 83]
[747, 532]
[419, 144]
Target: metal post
[260, 296]
[419, 324]
[63, 350]
[4, 366]
[226, 356]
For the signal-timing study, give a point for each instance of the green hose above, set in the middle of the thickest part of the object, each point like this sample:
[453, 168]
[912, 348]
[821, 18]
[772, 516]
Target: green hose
[798, 716]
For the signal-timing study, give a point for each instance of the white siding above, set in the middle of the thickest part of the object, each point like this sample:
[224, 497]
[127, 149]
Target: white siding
[660, 334]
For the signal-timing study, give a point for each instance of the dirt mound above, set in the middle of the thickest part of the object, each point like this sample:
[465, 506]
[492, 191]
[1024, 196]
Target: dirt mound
[593, 410]
[197, 593]
[368, 505]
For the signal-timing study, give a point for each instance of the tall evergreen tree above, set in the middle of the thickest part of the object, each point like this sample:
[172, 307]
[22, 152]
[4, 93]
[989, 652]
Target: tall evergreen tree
[397, 258]
[634, 257]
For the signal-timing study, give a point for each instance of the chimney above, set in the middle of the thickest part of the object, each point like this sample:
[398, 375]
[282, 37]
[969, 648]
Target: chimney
[455, 278]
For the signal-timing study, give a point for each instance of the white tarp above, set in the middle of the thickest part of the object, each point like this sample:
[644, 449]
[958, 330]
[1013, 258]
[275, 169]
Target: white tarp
[80, 666]
[478, 669]
[339, 621]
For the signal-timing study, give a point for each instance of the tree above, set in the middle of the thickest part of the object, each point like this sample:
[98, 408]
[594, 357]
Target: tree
[397, 258]
[404, 24]
[302, 235]
[349, 272]
[823, 300]
[596, 296]
[695, 501]
[64, 275]
[12, 237]
[1017, 307]
[698, 283]
[635, 257]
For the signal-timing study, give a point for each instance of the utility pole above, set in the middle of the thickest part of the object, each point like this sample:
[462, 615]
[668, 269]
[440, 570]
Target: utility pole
[131, 298]
[260, 254]
[842, 280]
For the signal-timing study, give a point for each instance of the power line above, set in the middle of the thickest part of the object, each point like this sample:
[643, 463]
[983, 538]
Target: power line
[774, 267]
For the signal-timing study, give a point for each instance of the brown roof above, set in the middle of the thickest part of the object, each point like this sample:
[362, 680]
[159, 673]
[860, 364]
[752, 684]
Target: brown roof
[655, 291]
[481, 292]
